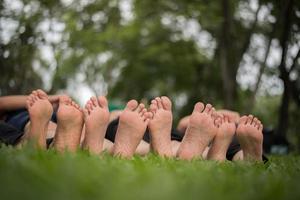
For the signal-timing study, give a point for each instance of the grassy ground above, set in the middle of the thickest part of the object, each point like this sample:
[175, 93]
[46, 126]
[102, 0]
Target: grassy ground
[31, 174]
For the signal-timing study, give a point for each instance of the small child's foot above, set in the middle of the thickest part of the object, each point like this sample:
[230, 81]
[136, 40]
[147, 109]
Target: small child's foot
[40, 111]
[160, 126]
[200, 132]
[69, 125]
[222, 140]
[96, 116]
[132, 126]
[250, 137]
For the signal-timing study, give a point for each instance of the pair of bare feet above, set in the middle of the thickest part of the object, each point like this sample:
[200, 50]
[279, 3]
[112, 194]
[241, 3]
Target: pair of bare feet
[208, 128]
[69, 121]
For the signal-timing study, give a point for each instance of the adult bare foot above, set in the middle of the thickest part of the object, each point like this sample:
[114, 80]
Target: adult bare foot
[40, 111]
[132, 126]
[160, 126]
[223, 138]
[200, 132]
[96, 117]
[69, 125]
[250, 137]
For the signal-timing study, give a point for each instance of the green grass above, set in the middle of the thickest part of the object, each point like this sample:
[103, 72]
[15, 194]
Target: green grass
[32, 174]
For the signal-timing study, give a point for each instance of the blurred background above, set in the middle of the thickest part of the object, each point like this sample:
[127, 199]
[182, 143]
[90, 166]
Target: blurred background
[241, 55]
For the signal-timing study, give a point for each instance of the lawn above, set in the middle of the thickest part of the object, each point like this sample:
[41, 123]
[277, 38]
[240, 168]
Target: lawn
[32, 174]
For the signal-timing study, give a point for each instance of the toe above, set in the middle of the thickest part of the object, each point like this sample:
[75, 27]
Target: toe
[143, 112]
[31, 98]
[145, 116]
[255, 122]
[159, 103]
[42, 94]
[207, 109]
[87, 104]
[212, 111]
[131, 105]
[166, 102]
[199, 107]
[226, 119]
[86, 112]
[90, 107]
[149, 115]
[103, 102]
[261, 127]
[218, 121]
[153, 107]
[64, 99]
[243, 120]
[140, 108]
[34, 92]
[94, 101]
[250, 119]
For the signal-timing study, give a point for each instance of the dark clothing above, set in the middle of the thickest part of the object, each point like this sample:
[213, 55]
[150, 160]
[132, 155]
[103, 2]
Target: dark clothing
[20, 118]
[113, 126]
[9, 135]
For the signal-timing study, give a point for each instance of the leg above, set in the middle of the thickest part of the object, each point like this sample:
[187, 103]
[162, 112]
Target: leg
[40, 111]
[132, 126]
[250, 137]
[69, 125]
[96, 117]
[160, 126]
[143, 148]
[222, 139]
[200, 132]
[107, 146]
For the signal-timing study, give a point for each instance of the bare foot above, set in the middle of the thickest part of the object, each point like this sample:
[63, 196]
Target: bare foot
[40, 111]
[160, 126]
[96, 116]
[222, 140]
[69, 125]
[132, 126]
[250, 137]
[200, 132]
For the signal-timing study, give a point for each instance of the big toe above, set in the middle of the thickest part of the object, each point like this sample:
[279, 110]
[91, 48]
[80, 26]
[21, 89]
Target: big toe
[167, 104]
[64, 99]
[103, 102]
[243, 120]
[42, 94]
[208, 108]
[199, 107]
[131, 105]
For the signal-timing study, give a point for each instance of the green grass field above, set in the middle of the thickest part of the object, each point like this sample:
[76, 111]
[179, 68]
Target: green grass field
[32, 174]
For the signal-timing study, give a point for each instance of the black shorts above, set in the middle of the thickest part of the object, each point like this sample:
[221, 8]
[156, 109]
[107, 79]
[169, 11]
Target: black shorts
[9, 135]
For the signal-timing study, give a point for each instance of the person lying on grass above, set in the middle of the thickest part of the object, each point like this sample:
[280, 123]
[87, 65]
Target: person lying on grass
[208, 134]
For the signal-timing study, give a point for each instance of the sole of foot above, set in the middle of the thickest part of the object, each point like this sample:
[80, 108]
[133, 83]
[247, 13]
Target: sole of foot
[160, 126]
[40, 112]
[222, 140]
[69, 125]
[132, 126]
[200, 132]
[96, 118]
[250, 137]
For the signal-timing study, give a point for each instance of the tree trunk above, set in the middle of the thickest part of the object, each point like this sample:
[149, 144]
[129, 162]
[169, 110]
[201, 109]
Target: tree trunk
[228, 82]
[283, 118]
